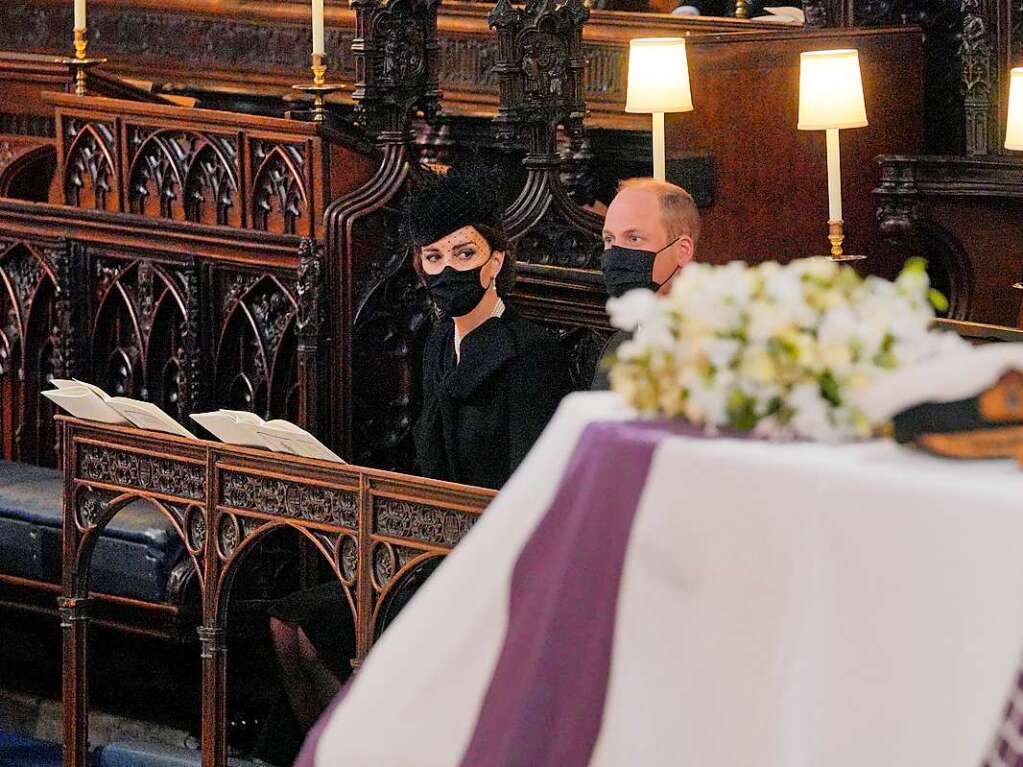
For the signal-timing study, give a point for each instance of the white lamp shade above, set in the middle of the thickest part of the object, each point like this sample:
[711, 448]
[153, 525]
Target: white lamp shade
[658, 76]
[830, 90]
[1014, 125]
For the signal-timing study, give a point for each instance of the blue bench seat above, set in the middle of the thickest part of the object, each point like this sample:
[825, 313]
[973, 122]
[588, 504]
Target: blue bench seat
[132, 754]
[18, 750]
[133, 558]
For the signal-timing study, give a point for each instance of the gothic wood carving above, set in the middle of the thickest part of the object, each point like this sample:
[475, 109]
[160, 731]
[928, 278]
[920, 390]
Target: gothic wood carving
[202, 166]
[377, 318]
[289, 499]
[904, 223]
[176, 42]
[140, 472]
[169, 316]
[396, 518]
[29, 347]
[332, 505]
[257, 345]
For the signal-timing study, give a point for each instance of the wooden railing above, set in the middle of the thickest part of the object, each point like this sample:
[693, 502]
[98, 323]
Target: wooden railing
[371, 527]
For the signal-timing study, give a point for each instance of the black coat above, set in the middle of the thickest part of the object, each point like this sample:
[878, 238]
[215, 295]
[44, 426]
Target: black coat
[481, 416]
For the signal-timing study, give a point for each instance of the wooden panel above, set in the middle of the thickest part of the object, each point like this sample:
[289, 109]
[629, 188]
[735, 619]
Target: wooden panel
[188, 317]
[27, 155]
[204, 166]
[965, 215]
[771, 179]
[372, 527]
[257, 46]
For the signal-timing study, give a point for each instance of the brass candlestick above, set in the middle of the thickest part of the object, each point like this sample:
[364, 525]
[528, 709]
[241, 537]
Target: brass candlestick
[80, 62]
[836, 236]
[319, 88]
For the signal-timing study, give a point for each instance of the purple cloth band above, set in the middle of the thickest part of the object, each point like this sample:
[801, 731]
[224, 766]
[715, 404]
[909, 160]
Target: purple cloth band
[307, 756]
[545, 703]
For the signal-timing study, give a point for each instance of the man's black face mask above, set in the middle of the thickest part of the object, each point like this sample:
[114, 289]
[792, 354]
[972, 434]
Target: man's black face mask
[626, 269]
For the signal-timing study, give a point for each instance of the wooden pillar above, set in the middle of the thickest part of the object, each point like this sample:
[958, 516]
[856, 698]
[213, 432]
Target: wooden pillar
[214, 696]
[74, 621]
[212, 634]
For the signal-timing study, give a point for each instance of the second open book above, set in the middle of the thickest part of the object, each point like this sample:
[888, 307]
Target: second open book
[234, 427]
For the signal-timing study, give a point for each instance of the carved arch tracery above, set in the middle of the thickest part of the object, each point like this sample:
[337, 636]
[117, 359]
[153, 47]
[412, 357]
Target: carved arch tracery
[184, 175]
[138, 332]
[29, 326]
[256, 357]
[90, 172]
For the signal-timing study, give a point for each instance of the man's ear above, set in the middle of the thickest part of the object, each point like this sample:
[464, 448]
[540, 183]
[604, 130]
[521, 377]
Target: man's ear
[685, 249]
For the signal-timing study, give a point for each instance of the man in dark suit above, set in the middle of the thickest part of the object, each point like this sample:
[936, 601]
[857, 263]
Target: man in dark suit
[650, 234]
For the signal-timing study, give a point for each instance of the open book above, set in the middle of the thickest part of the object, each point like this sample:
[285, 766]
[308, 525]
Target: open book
[91, 403]
[783, 15]
[238, 427]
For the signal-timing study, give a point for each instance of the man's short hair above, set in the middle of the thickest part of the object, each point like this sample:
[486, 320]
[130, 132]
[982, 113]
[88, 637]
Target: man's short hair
[678, 210]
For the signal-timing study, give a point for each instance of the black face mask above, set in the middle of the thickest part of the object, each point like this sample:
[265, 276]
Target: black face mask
[626, 269]
[456, 293]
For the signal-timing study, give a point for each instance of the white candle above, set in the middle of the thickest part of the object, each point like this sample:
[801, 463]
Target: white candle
[834, 176]
[318, 47]
[79, 14]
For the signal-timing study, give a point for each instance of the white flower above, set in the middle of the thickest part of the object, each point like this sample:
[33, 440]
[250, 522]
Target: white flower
[632, 309]
[784, 350]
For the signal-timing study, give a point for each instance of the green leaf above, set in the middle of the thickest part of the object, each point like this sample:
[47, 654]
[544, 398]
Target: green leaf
[916, 264]
[938, 300]
[741, 410]
[830, 390]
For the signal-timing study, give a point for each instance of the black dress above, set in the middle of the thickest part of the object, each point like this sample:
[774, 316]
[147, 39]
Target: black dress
[482, 414]
[479, 419]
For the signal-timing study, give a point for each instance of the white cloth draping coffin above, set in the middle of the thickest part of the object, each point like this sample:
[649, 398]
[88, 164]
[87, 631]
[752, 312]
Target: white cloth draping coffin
[792, 605]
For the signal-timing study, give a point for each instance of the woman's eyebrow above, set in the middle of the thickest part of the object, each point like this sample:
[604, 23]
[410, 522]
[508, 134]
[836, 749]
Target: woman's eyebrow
[463, 243]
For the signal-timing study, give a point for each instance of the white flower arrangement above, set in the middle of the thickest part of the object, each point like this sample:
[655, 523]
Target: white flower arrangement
[783, 351]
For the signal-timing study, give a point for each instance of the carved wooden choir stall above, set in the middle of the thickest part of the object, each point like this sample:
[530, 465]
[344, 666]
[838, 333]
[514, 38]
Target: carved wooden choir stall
[373, 527]
[225, 256]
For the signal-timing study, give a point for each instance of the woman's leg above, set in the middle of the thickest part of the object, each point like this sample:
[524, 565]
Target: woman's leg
[302, 691]
[324, 679]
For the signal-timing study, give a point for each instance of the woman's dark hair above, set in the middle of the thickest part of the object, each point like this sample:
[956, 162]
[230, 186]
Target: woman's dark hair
[465, 196]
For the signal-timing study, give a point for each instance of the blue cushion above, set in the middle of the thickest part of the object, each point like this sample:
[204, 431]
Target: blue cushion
[133, 558]
[129, 754]
[19, 751]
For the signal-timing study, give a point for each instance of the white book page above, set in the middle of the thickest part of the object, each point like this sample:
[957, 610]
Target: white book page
[243, 416]
[228, 428]
[82, 403]
[94, 389]
[65, 383]
[299, 442]
[784, 15]
[280, 423]
[146, 415]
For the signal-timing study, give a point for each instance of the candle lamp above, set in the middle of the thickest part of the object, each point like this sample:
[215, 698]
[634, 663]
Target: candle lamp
[80, 63]
[658, 83]
[831, 99]
[319, 88]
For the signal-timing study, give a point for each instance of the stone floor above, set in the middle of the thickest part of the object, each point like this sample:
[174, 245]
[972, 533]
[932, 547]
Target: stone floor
[39, 718]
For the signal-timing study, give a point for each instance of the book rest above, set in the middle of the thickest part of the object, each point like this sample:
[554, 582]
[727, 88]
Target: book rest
[372, 527]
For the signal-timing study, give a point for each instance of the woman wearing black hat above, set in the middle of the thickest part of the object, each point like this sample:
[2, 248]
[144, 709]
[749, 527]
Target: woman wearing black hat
[491, 379]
